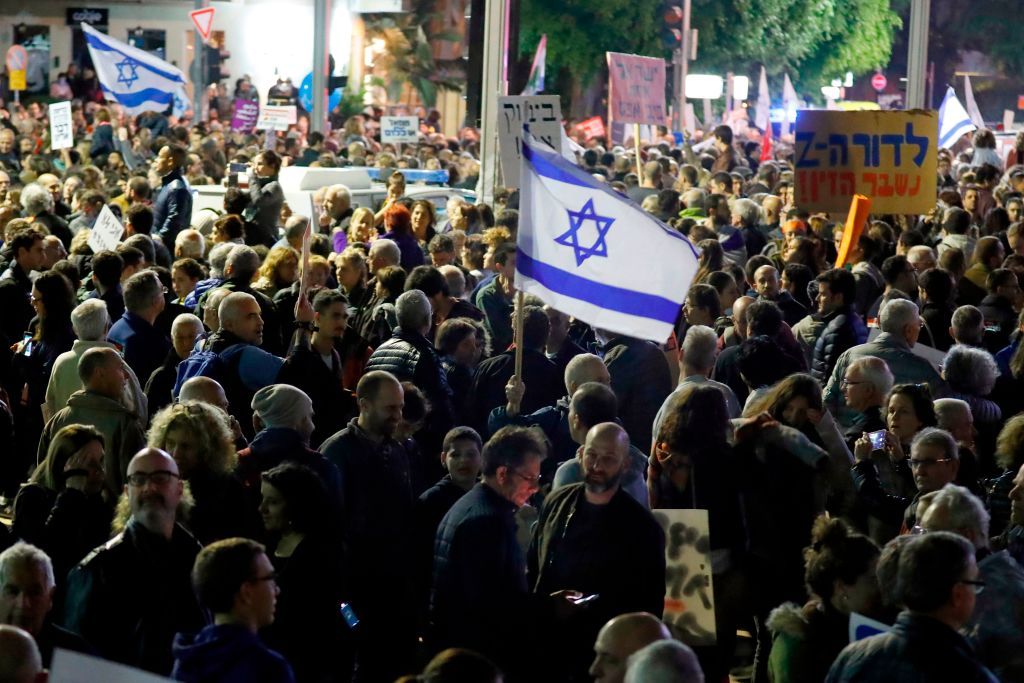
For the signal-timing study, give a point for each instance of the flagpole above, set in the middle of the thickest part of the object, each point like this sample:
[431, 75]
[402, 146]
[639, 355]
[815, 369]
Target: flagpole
[636, 141]
[519, 335]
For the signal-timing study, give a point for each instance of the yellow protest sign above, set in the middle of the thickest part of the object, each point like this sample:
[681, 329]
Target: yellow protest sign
[888, 156]
[16, 79]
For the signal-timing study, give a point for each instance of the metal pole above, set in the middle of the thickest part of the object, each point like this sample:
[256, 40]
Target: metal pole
[493, 85]
[199, 66]
[917, 54]
[321, 49]
[684, 64]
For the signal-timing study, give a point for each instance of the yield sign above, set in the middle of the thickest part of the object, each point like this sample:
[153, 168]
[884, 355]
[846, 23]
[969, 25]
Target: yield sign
[203, 19]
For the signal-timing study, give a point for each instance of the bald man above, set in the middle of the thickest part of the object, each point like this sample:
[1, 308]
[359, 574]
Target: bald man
[130, 596]
[19, 657]
[209, 391]
[621, 637]
[589, 536]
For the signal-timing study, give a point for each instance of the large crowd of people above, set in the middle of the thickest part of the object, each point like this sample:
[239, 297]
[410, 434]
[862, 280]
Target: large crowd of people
[218, 467]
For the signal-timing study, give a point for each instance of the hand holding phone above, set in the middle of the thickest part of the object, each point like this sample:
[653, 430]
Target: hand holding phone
[877, 440]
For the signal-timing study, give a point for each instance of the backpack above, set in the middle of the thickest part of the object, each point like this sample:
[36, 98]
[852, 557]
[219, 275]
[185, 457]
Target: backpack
[206, 363]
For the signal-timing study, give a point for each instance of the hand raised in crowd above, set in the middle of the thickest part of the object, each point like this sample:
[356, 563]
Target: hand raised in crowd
[514, 392]
[749, 428]
[303, 310]
[862, 448]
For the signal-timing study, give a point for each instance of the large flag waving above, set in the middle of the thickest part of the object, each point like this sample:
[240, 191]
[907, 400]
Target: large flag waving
[135, 79]
[972, 107]
[789, 103]
[762, 117]
[535, 83]
[953, 120]
[589, 252]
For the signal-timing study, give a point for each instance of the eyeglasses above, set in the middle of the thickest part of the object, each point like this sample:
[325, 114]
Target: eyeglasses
[847, 383]
[160, 478]
[915, 464]
[528, 478]
[977, 584]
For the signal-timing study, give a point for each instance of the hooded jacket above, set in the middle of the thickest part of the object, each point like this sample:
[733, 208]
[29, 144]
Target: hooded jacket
[227, 653]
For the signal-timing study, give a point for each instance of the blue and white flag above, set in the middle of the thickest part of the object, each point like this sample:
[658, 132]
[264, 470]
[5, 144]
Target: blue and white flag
[133, 78]
[589, 252]
[953, 120]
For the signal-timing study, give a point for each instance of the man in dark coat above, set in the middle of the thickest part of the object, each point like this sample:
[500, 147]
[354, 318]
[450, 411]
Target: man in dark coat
[998, 308]
[16, 286]
[641, 381]
[144, 346]
[172, 210]
[837, 289]
[130, 596]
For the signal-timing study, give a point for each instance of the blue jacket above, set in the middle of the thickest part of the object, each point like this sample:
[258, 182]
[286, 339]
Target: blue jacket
[144, 347]
[172, 210]
[227, 653]
[844, 329]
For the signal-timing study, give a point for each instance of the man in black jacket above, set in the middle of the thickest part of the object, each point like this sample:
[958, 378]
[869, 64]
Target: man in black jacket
[641, 381]
[998, 308]
[15, 285]
[131, 595]
[837, 289]
[589, 536]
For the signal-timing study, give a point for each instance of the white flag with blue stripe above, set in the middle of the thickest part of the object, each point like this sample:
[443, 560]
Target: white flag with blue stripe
[953, 120]
[591, 253]
[133, 78]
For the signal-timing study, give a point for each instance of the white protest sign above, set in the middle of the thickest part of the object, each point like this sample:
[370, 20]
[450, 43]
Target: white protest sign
[273, 117]
[400, 129]
[689, 598]
[106, 231]
[862, 627]
[61, 133]
[74, 667]
[543, 113]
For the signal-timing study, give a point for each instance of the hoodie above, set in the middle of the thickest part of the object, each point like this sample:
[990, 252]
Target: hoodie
[227, 653]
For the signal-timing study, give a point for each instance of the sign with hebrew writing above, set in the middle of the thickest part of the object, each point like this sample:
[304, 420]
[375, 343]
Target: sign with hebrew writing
[636, 89]
[61, 130]
[689, 599]
[542, 113]
[889, 156]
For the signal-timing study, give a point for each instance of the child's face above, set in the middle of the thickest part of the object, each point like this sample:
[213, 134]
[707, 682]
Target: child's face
[463, 461]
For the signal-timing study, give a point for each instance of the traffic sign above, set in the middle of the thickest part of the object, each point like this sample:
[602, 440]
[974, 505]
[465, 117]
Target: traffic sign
[17, 58]
[16, 79]
[878, 82]
[203, 19]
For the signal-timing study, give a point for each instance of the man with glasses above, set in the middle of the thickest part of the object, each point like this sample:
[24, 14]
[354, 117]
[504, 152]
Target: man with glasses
[937, 580]
[235, 581]
[480, 598]
[130, 596]
[999, 610]
[865, 386]
[589, 536]
[934, 462]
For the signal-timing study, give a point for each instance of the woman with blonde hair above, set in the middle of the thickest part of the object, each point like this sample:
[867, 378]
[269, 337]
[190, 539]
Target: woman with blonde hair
[361, 226]
[199, 439]
[279, 270]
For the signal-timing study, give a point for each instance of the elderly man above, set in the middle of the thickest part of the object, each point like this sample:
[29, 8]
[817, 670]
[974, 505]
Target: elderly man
[143, 345]
[865, 387]
[766, 283]
[934, 462]
[190, 244]
[993, 626]
[922, 258]
[26, 599]
[239, 270]
[967, 326]
[99, 404]
[589, 534]
[901, 325]
[664, 661]
[954, 415]
[337, 209]
[150, 561]
[38, 204]
[218, 260]
[185, 332]
[90, 322]
[621, 637]
[172, 209]
[746, 215]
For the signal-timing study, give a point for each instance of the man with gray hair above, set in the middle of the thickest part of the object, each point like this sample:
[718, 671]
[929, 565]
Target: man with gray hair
[294, 230]
[337, 209]
[967, 326]
[185, 331]
[456, 280]
[664, 661]
[90, 322]
[239, 271]
[190, 244]
[26, 598]
[700, 349]
[994, 627]
[383, 253]
[954, 415]
[218, 259]
[37, 202]
[866, 386]
[746, 215]
[142, 344]
[409, 356]
[901, 325]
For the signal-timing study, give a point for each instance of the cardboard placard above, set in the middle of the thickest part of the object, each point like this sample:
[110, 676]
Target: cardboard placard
[399, 129]
[689, 598]
[106, 231]
[245, 114]
[636, 89]
[61, 130]
[592, 127]
[276, 117]
[888, 156]
[543, 113]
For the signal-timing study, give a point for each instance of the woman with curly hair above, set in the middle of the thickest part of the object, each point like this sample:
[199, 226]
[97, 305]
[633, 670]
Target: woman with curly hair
[1010, 457]
[398, 223]
[840, 576]
[279, 270]
[199, 439]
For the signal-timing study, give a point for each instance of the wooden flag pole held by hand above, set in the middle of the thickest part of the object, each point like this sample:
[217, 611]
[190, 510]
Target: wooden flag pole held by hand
[519, 335]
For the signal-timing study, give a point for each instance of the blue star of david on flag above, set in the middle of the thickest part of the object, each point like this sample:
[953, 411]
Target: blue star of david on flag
[571, 238]
[127, 71]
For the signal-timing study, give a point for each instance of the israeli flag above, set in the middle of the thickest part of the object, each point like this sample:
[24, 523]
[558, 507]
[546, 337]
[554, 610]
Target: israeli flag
[593, 254]
[133, 78]
[953, 120]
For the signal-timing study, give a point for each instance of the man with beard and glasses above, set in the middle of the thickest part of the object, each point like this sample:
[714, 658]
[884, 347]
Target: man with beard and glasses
[593, 537]
[130, 596]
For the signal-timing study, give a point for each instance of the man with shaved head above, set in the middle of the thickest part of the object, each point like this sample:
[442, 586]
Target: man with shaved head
[621, 637]
[19, 657]
[589, 536]
[129, 596]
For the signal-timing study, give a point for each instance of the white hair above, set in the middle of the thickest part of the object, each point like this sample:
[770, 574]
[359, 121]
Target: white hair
[930, 436]
[186, 319]
[295, 226]
[950, 411]
[388, 250]
[694, 198]
[968, 325]
[413, 311]
[219, 258]
[22, 553]
[190, 244]
[919, 253]
[700, 347]
[748, 211]
[964, 510]
[36, 199]
[896, 315]
[664, 661]
[341, 191]
[90, 320]
[970, 370]
[876, 372]
[456, 280]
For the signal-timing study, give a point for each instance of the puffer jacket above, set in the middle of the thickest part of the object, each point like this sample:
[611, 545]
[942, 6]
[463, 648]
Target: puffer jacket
[410, 356]
[805, 641]
[844, 329]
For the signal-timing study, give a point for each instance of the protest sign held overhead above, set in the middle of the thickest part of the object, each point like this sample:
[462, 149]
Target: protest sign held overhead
[61, 132]
[542, 113]
[106, 231]
[399, 129]
[636, 89]
[888, 156]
